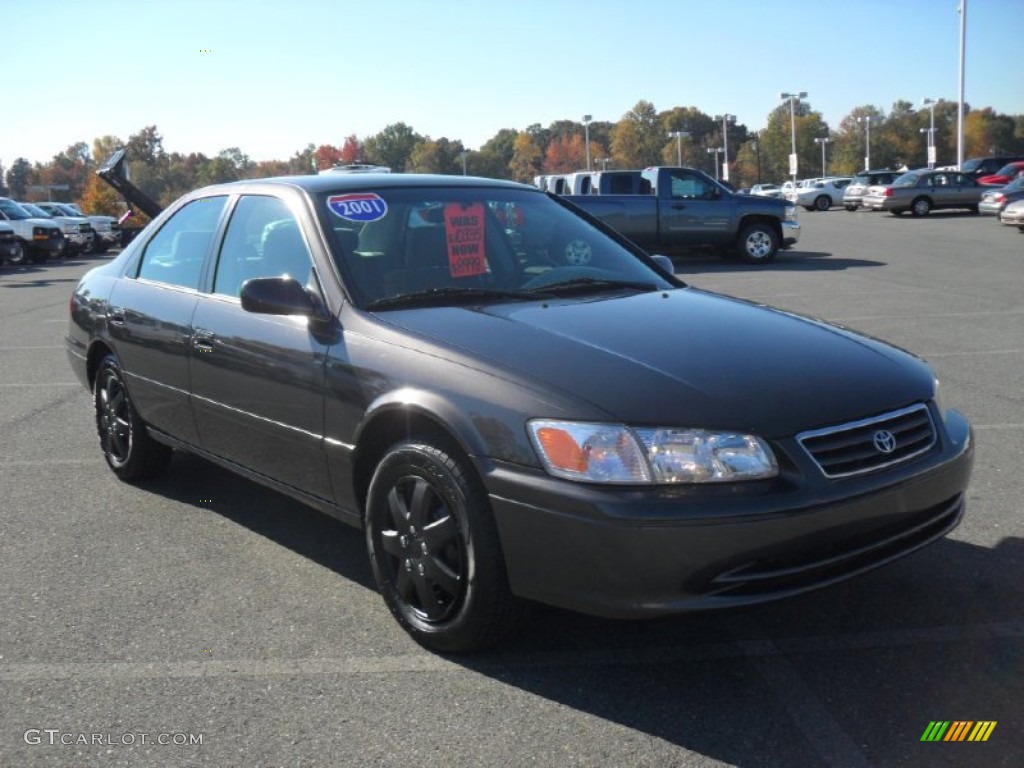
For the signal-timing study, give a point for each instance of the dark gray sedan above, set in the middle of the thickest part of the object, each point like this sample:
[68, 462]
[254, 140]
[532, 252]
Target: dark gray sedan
[514, 402]
[921, 192]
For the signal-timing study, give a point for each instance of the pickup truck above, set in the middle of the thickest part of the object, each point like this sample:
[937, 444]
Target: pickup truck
[687, 208]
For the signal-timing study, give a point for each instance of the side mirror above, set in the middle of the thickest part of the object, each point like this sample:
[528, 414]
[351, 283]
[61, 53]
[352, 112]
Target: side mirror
[664, 262]
[278, 296]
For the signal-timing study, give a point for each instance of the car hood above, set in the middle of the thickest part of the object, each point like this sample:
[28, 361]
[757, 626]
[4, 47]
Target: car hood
[683, 357]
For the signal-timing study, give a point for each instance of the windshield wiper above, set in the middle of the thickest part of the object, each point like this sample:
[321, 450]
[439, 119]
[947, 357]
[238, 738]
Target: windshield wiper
[442, 295]
[585, 284]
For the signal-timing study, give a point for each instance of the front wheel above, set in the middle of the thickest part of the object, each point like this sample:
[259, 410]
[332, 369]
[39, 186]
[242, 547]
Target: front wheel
[20, 255]
[128, 448]
[434, 549]
[758, 243]
[823, 202]
[922, 206]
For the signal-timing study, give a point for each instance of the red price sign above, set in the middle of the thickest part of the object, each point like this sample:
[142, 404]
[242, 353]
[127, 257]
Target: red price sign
[464, 229]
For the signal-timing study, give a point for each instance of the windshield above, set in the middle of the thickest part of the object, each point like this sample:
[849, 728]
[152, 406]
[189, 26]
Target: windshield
[67, 210]
[14, 211]
[970, 166]
[473, 242]
[36, 211]
[1010, 170]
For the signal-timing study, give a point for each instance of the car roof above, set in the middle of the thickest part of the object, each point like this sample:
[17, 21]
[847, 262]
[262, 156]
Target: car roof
[339, 182]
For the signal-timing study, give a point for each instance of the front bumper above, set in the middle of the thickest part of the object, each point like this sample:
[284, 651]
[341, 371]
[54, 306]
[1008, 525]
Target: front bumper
[53, 245]
[1013, 218]
[790, 233]
[629, 553]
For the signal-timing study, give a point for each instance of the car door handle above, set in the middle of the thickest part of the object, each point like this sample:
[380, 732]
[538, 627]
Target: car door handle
[678, 206]
[202, 340]
[115, 315]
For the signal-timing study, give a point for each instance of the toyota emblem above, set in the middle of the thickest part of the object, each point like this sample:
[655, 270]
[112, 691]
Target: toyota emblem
[885, 441]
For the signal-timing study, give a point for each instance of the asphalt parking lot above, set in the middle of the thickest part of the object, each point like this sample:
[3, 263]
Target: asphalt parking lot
[243, 629]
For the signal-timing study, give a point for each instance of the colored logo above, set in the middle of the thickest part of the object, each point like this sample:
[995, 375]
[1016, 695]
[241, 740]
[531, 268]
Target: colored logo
[959, 730]
[363, 206]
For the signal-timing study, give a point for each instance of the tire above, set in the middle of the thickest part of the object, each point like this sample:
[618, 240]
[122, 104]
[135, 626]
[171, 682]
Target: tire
[20, 256]
[823, 202]
[808, 207]
[921, 206]
[37, 256]
[758, 243]
[851, 208]
[126, 444]
[434, 549]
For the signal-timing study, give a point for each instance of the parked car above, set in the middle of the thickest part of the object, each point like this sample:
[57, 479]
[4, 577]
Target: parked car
[40, 238]
[993, 201]
[78, 234]
[854, 192]
[1004, 175]
[923, 191]
[484, 397]
[1013, 215]
[11, 250]
[106, 230]
[819, 194]
[766, 190]
[976, 167]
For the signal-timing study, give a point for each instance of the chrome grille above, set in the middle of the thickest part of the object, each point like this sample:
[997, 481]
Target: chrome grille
[861, 446]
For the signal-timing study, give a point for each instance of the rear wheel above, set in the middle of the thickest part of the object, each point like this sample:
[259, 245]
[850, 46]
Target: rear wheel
[921, 206]
[758, 243]
[851, 207]
[434, 549]
[128, 448]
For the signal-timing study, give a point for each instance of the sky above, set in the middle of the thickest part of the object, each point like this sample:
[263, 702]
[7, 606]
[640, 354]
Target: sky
[270, 77]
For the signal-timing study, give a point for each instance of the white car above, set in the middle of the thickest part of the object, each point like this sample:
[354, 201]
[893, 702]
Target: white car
[766, 190]
[819, 194]
[107, 228]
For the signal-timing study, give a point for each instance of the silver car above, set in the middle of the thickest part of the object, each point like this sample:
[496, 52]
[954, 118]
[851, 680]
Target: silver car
[923, 191]
[854, 193]
[1013, 215]
[993, 201]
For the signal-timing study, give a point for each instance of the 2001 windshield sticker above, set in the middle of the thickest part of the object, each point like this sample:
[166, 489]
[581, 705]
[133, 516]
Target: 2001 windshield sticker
[464, 229]
[358, 206]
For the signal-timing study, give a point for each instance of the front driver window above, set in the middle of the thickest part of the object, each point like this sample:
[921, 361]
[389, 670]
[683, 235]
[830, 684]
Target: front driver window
[263, 239]
[176, 253]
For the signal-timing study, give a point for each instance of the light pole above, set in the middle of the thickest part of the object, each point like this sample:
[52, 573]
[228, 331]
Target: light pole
[930, 103]
[678, 136]
[586, 136]
[717, 151]
[867, 120]
[462, 155]
[726, 119]
[824, 141]
[793, 98]
[757, 151]
[604, 162]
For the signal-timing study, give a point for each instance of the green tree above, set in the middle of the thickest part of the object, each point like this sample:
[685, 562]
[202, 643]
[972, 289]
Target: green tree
[19, 178]
[393, 146]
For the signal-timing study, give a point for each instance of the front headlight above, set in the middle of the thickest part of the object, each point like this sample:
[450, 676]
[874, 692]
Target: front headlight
[937, 397]
[790, 213]
[612, 453]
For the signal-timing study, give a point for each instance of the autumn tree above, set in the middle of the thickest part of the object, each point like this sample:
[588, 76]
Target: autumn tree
[526, 158]
[565, 154]
[351, 150]
[327, 156]
[99, 198]
[638, 138]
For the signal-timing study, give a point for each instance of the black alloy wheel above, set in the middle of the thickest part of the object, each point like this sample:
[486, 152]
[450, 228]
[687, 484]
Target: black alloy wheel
[435, 552]
[127, 446]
